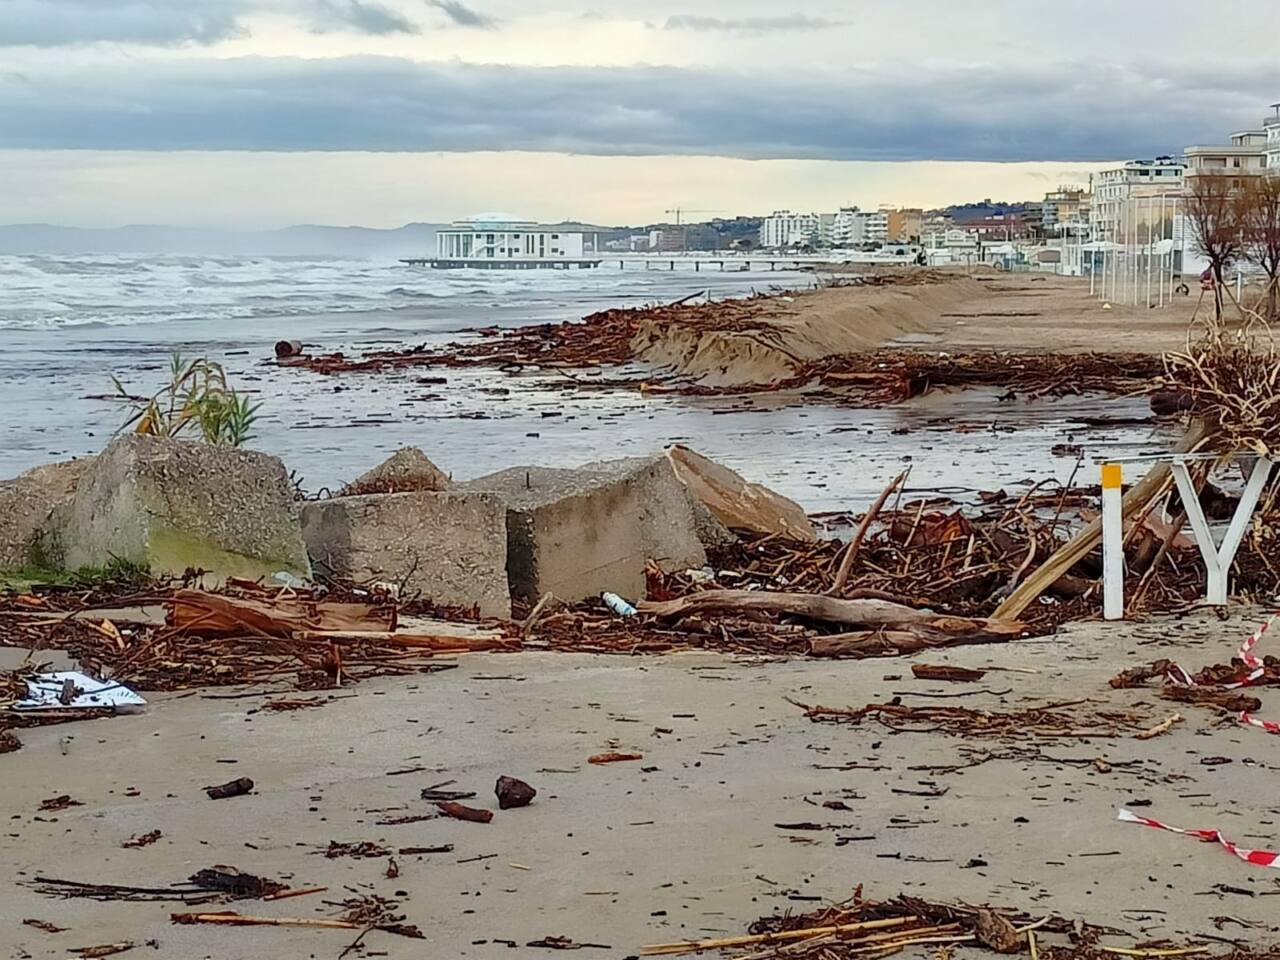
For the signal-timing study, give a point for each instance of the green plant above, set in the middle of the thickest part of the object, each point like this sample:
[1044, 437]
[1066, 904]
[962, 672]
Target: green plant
[197, 396]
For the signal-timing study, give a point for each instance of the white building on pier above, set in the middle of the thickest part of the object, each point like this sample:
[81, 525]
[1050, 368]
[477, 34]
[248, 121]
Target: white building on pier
[497, 237]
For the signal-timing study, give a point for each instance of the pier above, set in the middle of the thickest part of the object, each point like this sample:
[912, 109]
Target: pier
[495, 263]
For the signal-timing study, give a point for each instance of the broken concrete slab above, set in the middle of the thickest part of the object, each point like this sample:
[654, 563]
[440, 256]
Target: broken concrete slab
[32, 508]
[408, 469]
[450, 547]
[174, 505]
[736, 502]
[578, 532]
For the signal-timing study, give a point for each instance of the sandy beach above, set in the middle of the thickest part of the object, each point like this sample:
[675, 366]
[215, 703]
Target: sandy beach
[691, 841]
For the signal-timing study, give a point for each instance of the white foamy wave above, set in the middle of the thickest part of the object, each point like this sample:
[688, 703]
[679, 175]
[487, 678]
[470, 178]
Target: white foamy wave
[51, 292]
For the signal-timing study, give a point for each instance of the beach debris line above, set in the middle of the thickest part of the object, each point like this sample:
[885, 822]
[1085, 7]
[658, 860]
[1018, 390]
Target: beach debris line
[860, 927]
[1047, 720]
[209, 885]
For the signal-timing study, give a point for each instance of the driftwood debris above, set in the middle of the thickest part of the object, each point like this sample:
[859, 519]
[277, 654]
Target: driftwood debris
[1071, 553]
[894, 628]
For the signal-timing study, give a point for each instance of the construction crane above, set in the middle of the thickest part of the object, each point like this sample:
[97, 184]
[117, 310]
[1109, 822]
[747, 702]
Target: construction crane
[681, 211]
[684, 233]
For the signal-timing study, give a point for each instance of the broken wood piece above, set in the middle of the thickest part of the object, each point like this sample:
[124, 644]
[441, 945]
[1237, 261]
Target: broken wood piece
[461, 812]
[233, 919]
[938, 671]
[104, 950]
[290, 894]
[782, 936]
[602, 758]
[826, 609]
[889, 643]
[851, 552]
[1164, 726]
[232, 788]
[419, 851]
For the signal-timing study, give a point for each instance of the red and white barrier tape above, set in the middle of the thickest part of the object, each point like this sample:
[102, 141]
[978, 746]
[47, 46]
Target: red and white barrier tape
[1179, 675]
[1261, 858]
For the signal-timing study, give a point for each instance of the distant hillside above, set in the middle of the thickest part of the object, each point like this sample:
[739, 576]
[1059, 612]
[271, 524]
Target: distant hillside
[969, 212]
[411, 240]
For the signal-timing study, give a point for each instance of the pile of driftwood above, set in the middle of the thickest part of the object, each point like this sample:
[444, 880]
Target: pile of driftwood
[869, 928]
[1231, 378]
[599, 339]
[172, 637]
[891, 376]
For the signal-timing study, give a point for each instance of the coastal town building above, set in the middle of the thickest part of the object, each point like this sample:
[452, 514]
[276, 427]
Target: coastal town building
[1117, 188]
[785, 229]
[1063, 212]
[903, 225]
[1244, 157]
[1271, 126]
[494, 237]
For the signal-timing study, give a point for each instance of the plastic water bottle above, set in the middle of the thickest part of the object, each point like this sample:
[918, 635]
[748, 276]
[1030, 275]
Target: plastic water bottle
[618, 605]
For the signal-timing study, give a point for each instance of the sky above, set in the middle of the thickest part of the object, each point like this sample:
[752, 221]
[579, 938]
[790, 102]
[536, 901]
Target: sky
[261, 113]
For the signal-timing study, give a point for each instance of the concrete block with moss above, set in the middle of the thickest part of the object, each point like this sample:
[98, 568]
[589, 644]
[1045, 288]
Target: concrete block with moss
[33, 510]
[176, 505]
[450, 548]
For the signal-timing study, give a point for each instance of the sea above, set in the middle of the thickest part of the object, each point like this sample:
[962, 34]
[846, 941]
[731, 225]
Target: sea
[68, 324]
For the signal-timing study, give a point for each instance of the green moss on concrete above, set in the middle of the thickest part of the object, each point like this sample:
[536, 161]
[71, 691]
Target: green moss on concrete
[173, 552]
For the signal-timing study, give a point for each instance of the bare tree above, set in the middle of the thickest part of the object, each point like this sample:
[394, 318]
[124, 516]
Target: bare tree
[1213, 212]
[1259, 214]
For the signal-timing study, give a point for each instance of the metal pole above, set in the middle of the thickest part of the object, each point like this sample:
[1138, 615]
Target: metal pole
[1133, 240]
[1150, 253]
[1112, 542]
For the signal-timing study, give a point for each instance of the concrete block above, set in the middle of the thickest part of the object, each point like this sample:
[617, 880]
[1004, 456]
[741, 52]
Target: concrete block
[405, 470]
[173, 505]
[578, 532]
[452, 547]
[32, 512]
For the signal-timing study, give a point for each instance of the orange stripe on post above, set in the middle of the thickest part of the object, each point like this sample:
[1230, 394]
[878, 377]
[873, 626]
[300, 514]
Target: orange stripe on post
[1112, 475]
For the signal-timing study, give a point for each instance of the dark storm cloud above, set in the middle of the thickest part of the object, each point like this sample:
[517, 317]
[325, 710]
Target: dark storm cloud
[363, 16]
[461, 14]
[54, 23]
[167, 23]
[1062, 112]
[757, 25]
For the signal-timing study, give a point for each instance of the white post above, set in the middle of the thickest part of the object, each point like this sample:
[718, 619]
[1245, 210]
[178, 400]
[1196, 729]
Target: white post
[1162, 246]
[1112, 542]
[1217, 561]
[1239, 282]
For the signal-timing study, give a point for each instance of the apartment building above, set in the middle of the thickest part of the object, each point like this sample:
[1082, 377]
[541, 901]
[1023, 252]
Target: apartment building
[1117, 188]
[1244, 157]
[1271, 126]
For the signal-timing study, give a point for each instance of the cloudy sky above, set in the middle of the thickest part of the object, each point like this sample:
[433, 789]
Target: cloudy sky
[268, 112]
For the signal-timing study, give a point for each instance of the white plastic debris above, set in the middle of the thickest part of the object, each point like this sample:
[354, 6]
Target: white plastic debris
[618, 605]
[44, 692]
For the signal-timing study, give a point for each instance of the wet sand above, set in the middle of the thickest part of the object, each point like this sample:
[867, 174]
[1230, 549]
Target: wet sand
[681, 844]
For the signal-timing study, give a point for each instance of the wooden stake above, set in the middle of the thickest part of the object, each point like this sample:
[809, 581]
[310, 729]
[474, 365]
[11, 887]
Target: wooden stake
[851, 551]
[231, 918]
